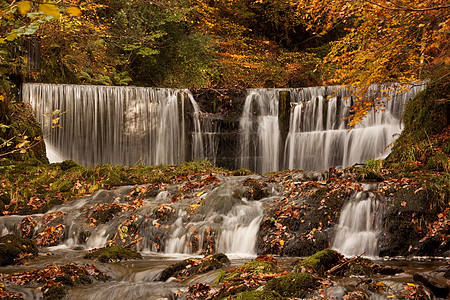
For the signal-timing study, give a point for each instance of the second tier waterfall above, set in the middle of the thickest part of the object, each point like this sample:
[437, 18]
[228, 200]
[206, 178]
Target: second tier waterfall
[359, 226]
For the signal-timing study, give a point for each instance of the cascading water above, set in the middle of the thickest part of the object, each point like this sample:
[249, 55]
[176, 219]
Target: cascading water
[229, 223]
[359, 226]
[117, 125]
[319, 137]
[260, 134]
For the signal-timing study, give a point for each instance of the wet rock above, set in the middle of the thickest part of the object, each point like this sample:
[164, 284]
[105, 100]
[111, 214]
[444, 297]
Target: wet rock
[14, 249]
[435, 281]
[292, 285]
[192, 266]
[302, 245]
[319, 262]
[386, 270]
[112, 254]
[255, 189]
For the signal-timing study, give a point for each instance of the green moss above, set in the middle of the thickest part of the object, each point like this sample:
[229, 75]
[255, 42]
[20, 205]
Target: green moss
[357, 269]
[67, 165]
[249, 269]
[424, 137]
[12, 246]
[292, 285]
[192, 266]
[321, 261]
[112, 254]
[256, 295]
[439, 162]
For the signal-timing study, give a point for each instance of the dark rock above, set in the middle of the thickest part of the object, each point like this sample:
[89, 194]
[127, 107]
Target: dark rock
[13, 247]
[435, 282]
[256, 190]
[387, 270]
[302, 246]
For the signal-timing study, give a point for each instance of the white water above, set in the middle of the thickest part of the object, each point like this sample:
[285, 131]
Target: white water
[260, 134]
[117, 125]
[237, 231]
[359, 226]
[319, 138]
[240, 228]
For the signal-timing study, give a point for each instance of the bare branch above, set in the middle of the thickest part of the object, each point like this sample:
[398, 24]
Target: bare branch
[403, 8]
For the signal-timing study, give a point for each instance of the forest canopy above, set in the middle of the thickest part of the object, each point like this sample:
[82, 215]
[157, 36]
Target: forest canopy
[210, 43]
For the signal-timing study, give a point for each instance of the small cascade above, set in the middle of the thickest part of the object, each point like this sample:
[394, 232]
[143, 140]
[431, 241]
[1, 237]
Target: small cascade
[223, 222]
[116, 125]
[240, 228]
[359, 226]
[260, 134]
[319, 137]
[234, 231]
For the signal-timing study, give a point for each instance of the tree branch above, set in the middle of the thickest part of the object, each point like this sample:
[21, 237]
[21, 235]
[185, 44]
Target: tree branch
[403, 8]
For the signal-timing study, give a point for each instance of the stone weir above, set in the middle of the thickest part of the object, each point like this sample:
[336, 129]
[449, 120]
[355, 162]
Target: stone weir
[264, 130]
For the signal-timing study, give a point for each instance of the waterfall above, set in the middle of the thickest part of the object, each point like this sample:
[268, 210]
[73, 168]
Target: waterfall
[135, 125]
[116, 125]
[235, 229]
[319, 137]
[240, 228]
[359, 226]
[260, 134]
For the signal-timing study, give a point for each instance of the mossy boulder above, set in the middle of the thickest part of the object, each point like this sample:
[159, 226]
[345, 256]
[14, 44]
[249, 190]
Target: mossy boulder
[67, 165]
[357, 269]
[320, 262]
[112, 254]
[13, 248]
[248, 270]
[193, 266]
[256, 295]
[292, 285]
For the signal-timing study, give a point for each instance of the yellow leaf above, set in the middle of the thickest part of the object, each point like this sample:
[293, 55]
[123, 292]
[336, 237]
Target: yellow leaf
[281, 242]
[11, 37]
[24, 7]
[411, 284]
[49, 9]
[73, 11]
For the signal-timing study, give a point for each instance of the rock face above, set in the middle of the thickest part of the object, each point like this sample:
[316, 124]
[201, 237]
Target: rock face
[437, 281]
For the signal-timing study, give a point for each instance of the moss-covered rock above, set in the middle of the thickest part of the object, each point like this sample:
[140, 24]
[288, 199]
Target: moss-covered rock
[292, 285]
[256, 295]
[247, 270]
[13, 248]
[112, 254]
[358, 269]
[192, 266]
[320, 262]
[423, 142]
